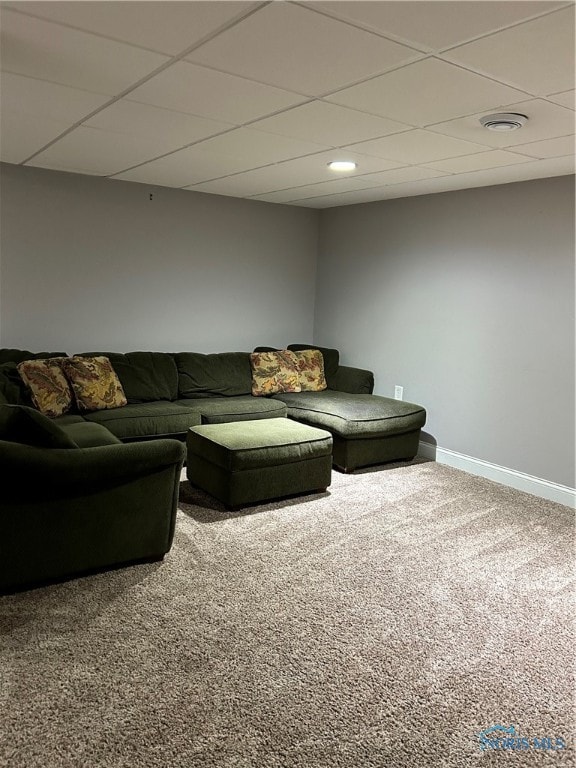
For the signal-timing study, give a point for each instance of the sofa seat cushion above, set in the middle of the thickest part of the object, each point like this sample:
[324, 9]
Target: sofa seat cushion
[218, 410]
[69, 418]
[140, 420]
[145, 376]
[87, 435]
[354, 416]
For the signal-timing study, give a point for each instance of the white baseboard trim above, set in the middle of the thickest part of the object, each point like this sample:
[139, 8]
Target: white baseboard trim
[510, 477]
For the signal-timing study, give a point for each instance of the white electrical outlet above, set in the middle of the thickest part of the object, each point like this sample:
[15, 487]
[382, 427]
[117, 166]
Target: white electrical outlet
[398, 392]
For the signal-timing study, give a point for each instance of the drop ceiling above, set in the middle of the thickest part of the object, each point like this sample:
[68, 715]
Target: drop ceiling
[254, 99]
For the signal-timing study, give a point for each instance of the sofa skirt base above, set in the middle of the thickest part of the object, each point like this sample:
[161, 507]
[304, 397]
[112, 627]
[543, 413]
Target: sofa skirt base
[349, 455]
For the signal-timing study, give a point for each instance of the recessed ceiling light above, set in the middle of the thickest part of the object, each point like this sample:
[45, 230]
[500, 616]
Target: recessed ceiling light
[342, 165]
[503, 121]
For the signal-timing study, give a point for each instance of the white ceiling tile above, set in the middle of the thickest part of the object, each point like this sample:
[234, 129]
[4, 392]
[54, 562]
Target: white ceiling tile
[565, 99]
[535, 169]
[21, 136]
[341, 198]
[563, 145]
[328, 124]
[35, 112]
[397, 176]
[522, 172]
[305, 170]
[417, 146]
[328, 187]
[168, 27]
[426, 92]
[523, 57]
[62, 55]
[193, 165]
[315, 168]
[260, 148]
[102, 152]
[185, 87]
[67, 167]
[545, 121]
[304, 193]
[41, 99]
[433, 25]
[294, 48]
[283, 196]
[491, 159]
[275, 176]
[175, 170]
[238, 186]
[176, 129]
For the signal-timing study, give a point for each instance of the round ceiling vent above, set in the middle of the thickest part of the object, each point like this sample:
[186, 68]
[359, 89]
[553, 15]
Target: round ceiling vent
[503, 121]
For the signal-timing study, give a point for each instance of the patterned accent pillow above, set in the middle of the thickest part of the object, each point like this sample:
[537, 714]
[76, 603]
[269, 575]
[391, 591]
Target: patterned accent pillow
[274, 372]
[49, 388]
[94, 382]
[310, 365]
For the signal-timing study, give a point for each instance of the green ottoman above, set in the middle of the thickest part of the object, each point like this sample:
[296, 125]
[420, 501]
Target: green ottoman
[244, 462]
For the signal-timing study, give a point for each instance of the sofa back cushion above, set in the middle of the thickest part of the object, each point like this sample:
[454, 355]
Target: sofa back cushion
[145, 376]
[225, 374]
[12, 388]
[27, 426]
[17, 355]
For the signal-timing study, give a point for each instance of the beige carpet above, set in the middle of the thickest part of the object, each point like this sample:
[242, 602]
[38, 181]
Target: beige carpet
[386, 623]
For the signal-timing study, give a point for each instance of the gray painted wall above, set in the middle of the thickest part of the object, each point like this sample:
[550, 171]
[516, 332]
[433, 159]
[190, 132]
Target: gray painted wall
[464, 298]
[467, 300]
[92, 263]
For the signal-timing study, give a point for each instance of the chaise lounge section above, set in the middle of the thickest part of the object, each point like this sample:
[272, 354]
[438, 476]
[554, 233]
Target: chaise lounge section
[367, 429]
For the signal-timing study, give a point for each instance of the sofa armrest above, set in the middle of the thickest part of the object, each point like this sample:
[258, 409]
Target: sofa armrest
[42, 473]
[355, 381]
[66, 511]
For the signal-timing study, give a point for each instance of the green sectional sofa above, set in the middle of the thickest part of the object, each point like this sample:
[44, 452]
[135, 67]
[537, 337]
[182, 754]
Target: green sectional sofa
[90, 490]
[168, 393]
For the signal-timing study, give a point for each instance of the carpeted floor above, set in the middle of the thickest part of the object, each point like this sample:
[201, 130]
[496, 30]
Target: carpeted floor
[383, 624]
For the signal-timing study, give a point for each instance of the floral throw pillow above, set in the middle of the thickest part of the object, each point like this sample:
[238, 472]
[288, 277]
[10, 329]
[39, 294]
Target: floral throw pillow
[95, 383]
[310, 365]
[49, 387]
[274, 372]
